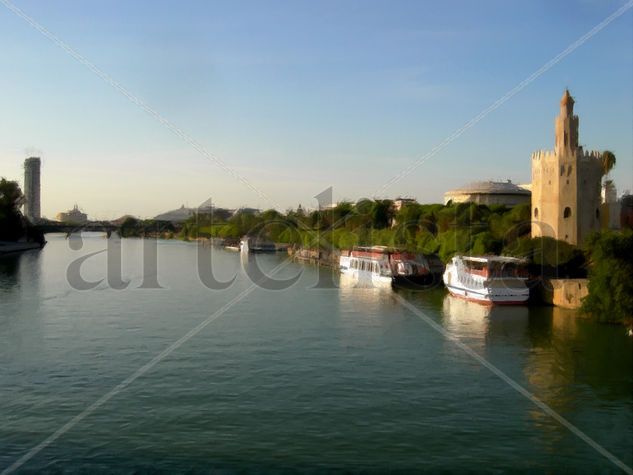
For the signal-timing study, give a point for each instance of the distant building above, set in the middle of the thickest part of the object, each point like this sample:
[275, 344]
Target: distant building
[74, 216]
[489, 193]
[626, 211]
[247, 210]
[566, 183]
[176, 215]
[397, 205]
[399, 202]
[32, 188]
[610, 207]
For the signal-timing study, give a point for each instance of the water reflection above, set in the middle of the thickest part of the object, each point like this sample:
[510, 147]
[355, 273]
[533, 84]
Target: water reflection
[481, 323]
[20, 270]
[9, 269]
[567, 353]
[367, 313]
[356, 294]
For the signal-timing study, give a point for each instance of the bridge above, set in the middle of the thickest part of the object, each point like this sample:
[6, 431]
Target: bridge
[70, 228]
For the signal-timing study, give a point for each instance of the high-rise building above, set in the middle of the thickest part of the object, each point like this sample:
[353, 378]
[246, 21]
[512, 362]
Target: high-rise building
[32, 188]
[566, 183]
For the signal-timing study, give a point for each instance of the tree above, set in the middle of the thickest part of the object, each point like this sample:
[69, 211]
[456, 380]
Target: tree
[382, 214]
[610, 296]
[608, 162]
[12, 226]
[129, 227]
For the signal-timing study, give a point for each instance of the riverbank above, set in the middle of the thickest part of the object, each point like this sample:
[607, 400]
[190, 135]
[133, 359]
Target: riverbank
[10, 248]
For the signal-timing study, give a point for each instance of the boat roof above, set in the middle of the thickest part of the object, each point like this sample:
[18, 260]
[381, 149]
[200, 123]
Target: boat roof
[376, 249]
[503, 259]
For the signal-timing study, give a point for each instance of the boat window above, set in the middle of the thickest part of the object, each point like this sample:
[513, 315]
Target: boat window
[477, 268]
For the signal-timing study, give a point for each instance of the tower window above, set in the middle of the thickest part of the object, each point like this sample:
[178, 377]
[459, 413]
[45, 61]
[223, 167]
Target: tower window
[562, 170]
[597, 214]
[567, 212]
[536, 212]
[569, 170]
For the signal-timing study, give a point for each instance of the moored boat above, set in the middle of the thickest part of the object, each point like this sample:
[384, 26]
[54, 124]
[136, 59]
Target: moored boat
[383, 266]
[250, 244]
[488, 279]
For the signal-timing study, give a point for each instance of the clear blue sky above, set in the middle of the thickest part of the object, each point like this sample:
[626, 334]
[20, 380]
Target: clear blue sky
[299, 95]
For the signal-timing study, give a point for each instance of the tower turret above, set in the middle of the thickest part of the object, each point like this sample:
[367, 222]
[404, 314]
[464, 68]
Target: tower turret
[566, 126]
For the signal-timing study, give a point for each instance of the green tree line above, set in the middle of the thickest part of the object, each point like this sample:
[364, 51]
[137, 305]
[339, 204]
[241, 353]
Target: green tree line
[440, 229]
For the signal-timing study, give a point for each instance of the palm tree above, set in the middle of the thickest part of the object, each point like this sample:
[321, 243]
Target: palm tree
[608, 162]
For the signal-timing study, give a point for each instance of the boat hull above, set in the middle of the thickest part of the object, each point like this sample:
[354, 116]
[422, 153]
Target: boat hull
[414, 280]
[518, 298]
[366, 279]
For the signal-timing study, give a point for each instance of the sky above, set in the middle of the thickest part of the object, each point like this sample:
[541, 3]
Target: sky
[295, 96]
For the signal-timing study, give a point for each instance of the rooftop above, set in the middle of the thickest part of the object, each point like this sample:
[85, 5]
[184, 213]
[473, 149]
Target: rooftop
[491, 187]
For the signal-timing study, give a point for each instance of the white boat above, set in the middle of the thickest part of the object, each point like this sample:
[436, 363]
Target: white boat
[250, 244]
[380, 266]
[488, 279]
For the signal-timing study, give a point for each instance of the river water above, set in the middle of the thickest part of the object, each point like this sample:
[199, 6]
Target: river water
[299, 379]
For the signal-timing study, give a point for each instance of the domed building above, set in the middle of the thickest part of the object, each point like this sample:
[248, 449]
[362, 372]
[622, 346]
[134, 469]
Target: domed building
[73, 216]
[490, 193]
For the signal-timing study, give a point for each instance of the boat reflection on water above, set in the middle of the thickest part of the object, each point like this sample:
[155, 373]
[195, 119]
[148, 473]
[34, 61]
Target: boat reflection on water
[365, 300]
[364, 290]
[477, 322]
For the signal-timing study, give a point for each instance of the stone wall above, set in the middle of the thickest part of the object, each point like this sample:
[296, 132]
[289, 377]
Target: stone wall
[566, 293]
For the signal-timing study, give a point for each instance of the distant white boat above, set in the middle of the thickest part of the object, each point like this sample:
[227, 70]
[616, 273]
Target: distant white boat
[488, 279]
[251, 245]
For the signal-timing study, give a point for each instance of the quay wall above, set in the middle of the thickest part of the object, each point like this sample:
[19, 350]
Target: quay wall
[566, 293]
[329, 258]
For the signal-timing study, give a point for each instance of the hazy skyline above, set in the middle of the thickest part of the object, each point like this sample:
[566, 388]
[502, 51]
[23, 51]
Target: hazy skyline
[299, 96]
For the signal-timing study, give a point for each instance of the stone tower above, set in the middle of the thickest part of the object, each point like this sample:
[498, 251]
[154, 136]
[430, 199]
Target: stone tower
[566, 183]
[32, 188]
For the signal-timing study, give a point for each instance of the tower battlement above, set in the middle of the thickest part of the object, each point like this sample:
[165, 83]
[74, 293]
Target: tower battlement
[543, 155]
